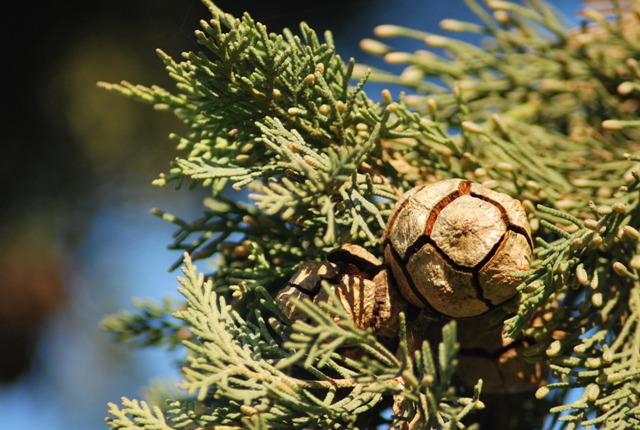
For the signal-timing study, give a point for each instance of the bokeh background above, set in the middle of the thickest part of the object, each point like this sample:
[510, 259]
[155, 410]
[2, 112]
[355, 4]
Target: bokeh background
[77, 241]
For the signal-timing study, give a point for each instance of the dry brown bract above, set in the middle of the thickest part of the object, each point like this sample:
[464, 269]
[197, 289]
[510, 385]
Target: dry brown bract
[359, 281]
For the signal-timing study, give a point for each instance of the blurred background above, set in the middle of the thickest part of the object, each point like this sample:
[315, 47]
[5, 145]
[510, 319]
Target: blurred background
[76, 238]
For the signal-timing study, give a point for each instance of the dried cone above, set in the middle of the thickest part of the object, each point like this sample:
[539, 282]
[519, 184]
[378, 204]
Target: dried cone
[423, 326]
[454, 247]
[357, 279]
[305, 283]
[496, 359]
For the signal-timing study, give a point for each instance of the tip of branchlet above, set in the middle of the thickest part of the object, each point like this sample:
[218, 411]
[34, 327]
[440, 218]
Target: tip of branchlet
[541, 393]
[625, 88]
[374, 47]
[452, 25]
[472, 127]
[436, 41]
[398, 57]
[386, 96]
[387, 30]
[612, 124]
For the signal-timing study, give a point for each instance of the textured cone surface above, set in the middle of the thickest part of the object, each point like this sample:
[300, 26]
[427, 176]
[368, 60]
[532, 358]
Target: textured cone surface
[286, 304]
[498, 360]
[356, 295]
[413, 213]
[359, 282]
[389, 305]
[454, 247]
[452, 292]
[403, 281]
[512, 258]
[467, 229]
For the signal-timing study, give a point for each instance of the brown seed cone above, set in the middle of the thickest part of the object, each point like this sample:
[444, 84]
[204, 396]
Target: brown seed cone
[424, 327]
[357, 296]
[305, 283]
[358, 280]
[455, 245]
[496, 359]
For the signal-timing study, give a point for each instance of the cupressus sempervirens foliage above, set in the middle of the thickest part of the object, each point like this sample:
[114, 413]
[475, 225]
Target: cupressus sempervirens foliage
[543, 112]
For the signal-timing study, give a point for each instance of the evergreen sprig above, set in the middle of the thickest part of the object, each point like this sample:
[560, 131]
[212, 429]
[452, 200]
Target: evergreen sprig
[276, 112]
[427, 398]
[540, 88]
[543, 112]
[136, 414]
[151, 325]
[242, 372]
[589, 338]
[535, 88]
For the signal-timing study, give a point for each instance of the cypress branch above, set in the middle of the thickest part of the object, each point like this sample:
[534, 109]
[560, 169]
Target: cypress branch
[542, 112]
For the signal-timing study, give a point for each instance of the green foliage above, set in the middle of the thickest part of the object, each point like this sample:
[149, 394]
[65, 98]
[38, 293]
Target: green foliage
[434, 391]
[240, 373]
[150, 325]
[543, 112]
[275, 112]
[591, 338]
